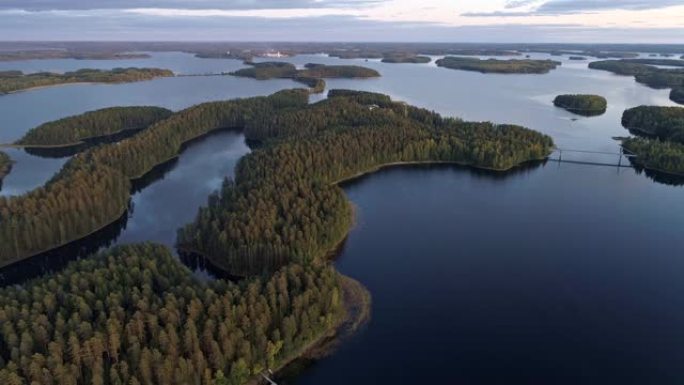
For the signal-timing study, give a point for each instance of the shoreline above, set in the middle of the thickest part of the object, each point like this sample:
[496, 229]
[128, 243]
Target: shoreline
[33, 88]
[336, 245]
[10, 262]
[357, 304]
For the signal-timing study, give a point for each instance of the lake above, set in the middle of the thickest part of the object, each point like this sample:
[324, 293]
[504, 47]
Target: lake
[556, 274]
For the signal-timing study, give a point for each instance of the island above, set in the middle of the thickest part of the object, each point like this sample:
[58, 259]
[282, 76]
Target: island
[677, 95]
[416, 59]
[660, 146]
[5, 166]
[526, 66]
[68, 54]
[94, 127]
[656, 155]
[312, 75]
[645, 72]
[13, 81]
[577, 58]
[665, 123]
[585, 105]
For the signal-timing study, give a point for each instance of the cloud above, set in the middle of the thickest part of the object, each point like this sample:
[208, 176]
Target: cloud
[561, 7]
[50, 5]
[118, 25]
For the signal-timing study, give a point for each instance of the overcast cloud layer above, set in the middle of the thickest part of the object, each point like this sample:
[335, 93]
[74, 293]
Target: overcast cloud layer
[627, 21]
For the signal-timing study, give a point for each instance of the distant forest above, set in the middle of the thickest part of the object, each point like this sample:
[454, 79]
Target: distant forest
[527, 66]
[648, 74]
[312, 75]
[13, 81]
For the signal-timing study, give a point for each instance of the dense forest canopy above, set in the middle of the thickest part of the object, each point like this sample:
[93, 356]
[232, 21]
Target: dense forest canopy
[657, 155]
[677, 95]
[349, 133]
[404, 58]
[103, 122]
[93, 188]
[14, 82]
[285, 205]
[527, 66]
[136, 316]
[587, 105]
[5, 166]
[312, 75]
[666, 123]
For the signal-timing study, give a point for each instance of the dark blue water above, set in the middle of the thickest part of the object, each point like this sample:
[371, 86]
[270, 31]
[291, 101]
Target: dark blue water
[557, 275]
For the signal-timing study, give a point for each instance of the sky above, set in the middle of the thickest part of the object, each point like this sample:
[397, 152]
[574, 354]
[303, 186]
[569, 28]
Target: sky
[530, 21]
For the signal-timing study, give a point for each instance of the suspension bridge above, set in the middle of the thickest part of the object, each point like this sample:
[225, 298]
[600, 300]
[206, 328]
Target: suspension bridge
[612, 159]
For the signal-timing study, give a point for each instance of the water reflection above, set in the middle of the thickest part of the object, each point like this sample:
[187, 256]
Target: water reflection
[163, 200]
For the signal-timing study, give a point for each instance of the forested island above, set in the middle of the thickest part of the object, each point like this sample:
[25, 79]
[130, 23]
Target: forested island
[302, 214]
[665, 123]
[657, 155]
[416, 59]
[5, 166]
[585, 105]
[661, 147]
[13, 81]
[677, 95]
[68, 54]
[312, 75]
[92, 126]
[647, 74]
[527, 66]
[577, 58]
[136, 315]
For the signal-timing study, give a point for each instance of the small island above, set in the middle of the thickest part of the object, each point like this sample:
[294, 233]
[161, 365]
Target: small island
[13, 81]
[415, 59]
[585, 105]
[527, 66]
[312, 75]
[94, 127]
[577, 58]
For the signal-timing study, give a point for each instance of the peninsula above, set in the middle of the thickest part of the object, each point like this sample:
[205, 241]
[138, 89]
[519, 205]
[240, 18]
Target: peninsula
[13, 81]
[93, 127]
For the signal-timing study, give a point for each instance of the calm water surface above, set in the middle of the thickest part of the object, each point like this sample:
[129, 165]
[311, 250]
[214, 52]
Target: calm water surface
[564, 274]
[557, 274]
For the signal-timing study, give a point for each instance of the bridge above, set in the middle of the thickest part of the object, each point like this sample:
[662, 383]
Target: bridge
[617, 156]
